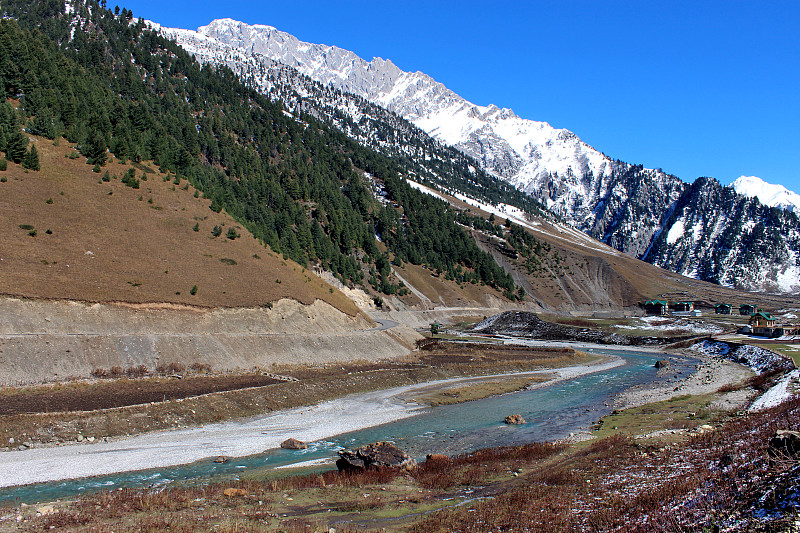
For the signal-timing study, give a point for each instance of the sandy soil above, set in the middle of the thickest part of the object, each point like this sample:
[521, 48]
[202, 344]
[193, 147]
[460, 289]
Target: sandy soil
[47, 341]
[234, 438]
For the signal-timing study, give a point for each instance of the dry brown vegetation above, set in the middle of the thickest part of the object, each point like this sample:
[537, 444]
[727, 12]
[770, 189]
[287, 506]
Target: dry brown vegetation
[719, 480]
[121, 393]
[155, 403]
[716, 480]
[105, 241]
[440, 290]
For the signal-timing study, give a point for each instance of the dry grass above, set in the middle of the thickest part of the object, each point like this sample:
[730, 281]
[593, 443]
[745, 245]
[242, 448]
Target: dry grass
[317, 384]
[476, 390]
[615, 484]
[110, 242]
[439, 290]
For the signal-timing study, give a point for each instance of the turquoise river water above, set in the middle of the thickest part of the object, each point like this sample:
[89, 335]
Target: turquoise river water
[552, 412]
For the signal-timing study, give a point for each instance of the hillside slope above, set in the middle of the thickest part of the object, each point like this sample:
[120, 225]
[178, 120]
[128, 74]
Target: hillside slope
[110, 242]
[564, 269]
[96, 274]
[623, 205]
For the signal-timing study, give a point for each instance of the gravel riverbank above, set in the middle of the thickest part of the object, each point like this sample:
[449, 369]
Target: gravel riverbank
[234, 438]
[712, 374]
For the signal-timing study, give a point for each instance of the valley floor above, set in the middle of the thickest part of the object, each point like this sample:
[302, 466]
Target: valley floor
[649, 463]
[244, 437]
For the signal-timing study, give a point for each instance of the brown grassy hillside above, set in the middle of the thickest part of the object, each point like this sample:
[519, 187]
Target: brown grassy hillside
[582, 273]
[68, 234]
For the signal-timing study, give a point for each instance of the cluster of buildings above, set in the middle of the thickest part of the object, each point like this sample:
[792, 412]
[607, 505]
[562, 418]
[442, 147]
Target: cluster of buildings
[761, 323]
[662, 308]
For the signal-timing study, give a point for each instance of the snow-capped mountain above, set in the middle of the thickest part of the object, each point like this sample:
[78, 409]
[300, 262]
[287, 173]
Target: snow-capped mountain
[717, 235]
[527, 153]
[767, 193]
[645, 213]
[420, 155]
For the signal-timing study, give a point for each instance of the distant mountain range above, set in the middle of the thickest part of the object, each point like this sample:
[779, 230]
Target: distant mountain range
[767, 193]
[702, 229]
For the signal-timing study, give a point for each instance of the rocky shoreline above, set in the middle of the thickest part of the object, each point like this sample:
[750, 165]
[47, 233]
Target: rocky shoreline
[711, 375]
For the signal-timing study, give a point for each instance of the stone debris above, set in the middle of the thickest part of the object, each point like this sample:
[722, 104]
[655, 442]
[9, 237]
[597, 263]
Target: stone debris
[293, 444]
[372, 456]
[514, 419]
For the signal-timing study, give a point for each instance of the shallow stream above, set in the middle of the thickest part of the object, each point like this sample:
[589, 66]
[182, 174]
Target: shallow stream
[552, 412]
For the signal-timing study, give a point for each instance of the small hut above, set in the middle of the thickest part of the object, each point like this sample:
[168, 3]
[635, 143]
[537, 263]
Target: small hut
[723, 309]
[748, 309]
[656, 307]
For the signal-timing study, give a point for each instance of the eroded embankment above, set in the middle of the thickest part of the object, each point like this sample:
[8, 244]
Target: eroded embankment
[57, 340]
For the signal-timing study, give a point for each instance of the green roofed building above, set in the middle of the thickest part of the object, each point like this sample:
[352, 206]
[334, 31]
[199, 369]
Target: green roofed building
[723, 309]
[762, 324]
[748, 309]
[656, 307]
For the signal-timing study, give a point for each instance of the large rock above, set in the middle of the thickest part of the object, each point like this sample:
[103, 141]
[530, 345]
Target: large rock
[372, 456]
[785, 443]
[514, 419]
[294, 444]
[661, 363]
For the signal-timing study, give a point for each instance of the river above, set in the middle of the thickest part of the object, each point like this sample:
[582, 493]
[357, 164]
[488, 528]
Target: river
[552, 412]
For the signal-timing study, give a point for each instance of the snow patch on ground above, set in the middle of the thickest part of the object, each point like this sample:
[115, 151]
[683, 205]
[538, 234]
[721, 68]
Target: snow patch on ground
[516, 215]
[675, 232]
[656, 323]
[758, 359]
[788, 279]
[427, 190]
[784, 390]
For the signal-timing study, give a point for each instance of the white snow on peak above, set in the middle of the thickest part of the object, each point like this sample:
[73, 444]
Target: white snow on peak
[524, 152]
[767, 193]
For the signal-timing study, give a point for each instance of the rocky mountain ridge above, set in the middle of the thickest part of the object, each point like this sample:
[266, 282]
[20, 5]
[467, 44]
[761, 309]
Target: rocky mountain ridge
[767, 193]
[626, 206]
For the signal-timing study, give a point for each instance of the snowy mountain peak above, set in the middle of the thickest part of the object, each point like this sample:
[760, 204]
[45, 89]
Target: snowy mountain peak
[526, 153]
[698, 229]
[767, 193]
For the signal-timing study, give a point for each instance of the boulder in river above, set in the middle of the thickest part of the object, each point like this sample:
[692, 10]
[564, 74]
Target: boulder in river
[373, 456]
[293, 444]
[661, 363]
[514, 419]
[222, 459]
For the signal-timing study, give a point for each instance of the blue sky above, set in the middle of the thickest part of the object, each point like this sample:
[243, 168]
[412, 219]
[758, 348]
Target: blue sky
[695, 88]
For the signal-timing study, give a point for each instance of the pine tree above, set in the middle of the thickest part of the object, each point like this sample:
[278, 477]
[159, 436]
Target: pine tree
[31, 160]
[15, 149]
